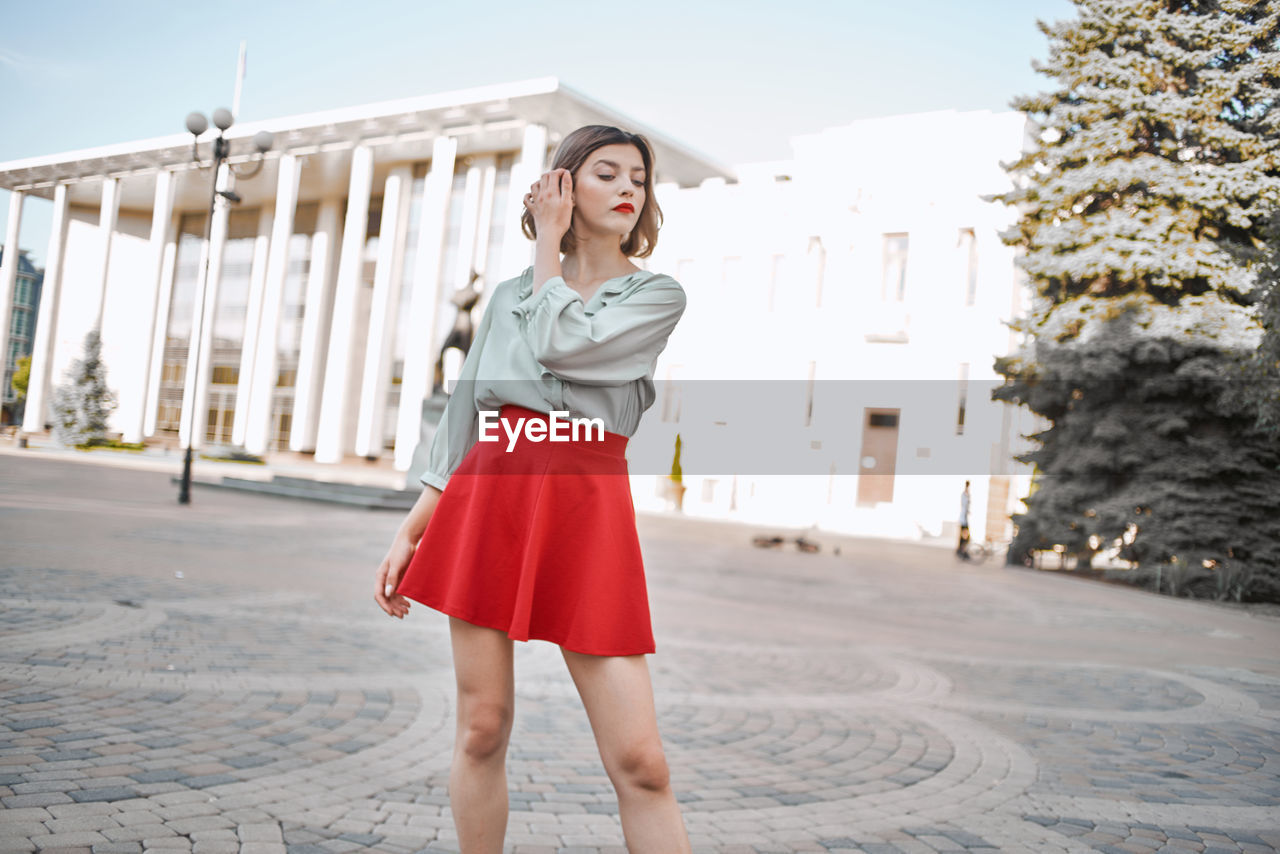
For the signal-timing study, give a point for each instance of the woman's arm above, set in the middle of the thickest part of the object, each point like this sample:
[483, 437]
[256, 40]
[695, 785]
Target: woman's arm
[458, 429]
[404, 544]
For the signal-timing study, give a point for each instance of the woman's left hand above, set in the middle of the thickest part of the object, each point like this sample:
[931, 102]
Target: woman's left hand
[390, 571]
[550, 202]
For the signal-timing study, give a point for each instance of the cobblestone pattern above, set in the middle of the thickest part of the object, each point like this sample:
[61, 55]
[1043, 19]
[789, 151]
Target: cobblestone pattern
[1064, 686]
[1228, 763]
[208, 723]
[173, 714]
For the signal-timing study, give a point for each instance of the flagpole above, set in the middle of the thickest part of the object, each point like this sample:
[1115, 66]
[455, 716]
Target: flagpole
[235, 101]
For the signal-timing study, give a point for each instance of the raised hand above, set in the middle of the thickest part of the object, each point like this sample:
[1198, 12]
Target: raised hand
[550, 202]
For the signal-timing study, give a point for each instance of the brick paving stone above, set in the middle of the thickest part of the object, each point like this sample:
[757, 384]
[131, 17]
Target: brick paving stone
[90, 823]
[42, 799]
[10, 832]
[69, 840]
[186, 826]
[138, 832]
[39, 814]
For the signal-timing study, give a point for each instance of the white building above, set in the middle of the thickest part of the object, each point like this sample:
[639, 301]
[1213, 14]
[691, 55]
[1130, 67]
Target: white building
[864, 275]
[871, 293]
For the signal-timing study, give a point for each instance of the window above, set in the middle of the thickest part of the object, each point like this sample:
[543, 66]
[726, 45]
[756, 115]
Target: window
[882, 419]
[226, 375]
[818, 265]
[775, 276]
[286, 378]
[968, 246]
[893, 284]
[964, 397]
[808, 395]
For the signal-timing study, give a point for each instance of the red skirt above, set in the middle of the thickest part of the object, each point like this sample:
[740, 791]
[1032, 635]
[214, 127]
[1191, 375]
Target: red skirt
[539, 542]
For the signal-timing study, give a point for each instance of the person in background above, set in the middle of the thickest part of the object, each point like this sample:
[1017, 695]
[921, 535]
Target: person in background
[962, 548]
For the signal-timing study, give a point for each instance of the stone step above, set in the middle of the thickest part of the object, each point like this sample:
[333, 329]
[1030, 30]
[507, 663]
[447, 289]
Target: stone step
[357, 495]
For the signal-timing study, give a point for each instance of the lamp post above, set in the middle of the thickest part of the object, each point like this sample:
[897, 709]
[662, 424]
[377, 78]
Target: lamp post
[262, 140]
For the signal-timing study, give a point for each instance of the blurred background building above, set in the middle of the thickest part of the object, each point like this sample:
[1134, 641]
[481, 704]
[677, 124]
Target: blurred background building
[23, 315]
[857, 293]
[877, 296]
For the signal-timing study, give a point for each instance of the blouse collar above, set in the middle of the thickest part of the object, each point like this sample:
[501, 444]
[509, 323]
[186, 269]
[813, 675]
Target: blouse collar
[612, 286]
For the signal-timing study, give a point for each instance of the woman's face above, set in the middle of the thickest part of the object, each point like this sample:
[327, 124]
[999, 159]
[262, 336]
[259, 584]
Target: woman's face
[612, 176]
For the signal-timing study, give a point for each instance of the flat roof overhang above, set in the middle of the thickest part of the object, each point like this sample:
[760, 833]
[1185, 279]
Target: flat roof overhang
[481, 119]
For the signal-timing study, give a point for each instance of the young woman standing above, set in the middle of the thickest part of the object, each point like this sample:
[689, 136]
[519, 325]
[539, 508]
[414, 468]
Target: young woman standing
[538, 539]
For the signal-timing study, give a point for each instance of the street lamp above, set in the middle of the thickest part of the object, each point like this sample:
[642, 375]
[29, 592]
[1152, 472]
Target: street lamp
[262, 140]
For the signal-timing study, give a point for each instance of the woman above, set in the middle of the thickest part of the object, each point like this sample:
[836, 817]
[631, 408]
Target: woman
[547, 549]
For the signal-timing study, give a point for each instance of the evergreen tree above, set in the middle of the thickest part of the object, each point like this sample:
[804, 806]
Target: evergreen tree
[1145, 198]
[81, 405]
[1260, 374]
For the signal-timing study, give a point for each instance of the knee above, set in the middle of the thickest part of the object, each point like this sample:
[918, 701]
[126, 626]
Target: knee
[483, 731]
[643, 766]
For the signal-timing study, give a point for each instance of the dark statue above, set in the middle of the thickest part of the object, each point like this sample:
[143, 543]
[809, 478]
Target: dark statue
[460, 337]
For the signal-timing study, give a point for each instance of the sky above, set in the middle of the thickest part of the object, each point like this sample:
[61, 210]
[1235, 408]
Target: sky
[734, 80]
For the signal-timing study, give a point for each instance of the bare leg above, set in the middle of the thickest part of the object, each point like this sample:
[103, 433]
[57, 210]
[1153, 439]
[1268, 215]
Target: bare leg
[482, 662]
[618, 697]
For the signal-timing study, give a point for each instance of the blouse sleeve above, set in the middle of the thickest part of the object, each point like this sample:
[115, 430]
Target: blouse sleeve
[459, 423]
[616, 345]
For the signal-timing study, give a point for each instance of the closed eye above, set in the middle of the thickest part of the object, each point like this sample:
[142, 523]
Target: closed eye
[610, 178]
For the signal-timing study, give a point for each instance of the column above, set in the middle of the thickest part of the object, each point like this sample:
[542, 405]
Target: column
[469, 226]
[484, 219]
[266, 362]
[424, 302]
[252, 321]
[160, 332]
[316, 315]
[331, 441]
[468, 242]
[9, 273]
[195, 390]
[42, 354]
[107, 217]
[154, 294]
[386, 298]
[517, 250]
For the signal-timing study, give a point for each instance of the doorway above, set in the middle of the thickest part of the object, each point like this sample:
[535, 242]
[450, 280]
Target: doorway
[879, 453]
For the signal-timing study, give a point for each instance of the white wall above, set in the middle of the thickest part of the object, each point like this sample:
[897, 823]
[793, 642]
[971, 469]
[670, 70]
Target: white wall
[848, 187]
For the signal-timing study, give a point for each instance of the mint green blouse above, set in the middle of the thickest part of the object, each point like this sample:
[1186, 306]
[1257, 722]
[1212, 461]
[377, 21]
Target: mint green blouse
[550, 350]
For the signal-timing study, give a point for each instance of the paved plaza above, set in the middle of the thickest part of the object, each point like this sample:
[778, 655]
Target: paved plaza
[217, 678]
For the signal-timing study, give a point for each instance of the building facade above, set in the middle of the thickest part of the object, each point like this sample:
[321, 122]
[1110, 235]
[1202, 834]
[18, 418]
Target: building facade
[846, 308]
[23, 303]
[833, 367]
[329, 283]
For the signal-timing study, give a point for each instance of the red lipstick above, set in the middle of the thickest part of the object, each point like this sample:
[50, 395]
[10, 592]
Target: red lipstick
[625, 207]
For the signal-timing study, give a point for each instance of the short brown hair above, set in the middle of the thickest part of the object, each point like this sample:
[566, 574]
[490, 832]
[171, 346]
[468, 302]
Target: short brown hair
[573, 153]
